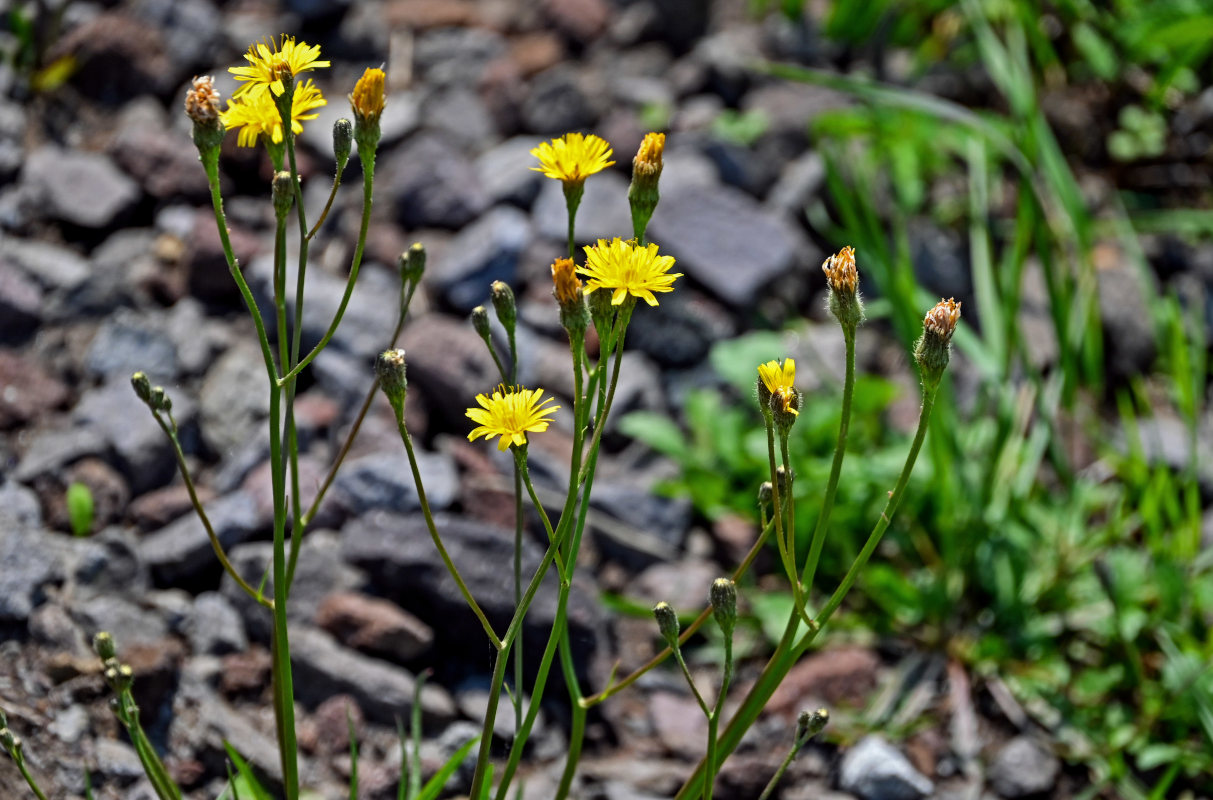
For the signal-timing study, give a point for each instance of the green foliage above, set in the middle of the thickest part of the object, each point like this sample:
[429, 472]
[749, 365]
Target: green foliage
[245, 785]
[740, 127]
[80, 509]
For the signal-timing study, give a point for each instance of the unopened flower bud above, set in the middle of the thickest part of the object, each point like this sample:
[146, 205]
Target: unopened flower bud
[9, 740]
[282, 193]
[160, 400]
[601, 311]
[667, 623]
[390, 368]
[843, 279]
[809, 724]
[505, 305]
[646, 171]
[104, 647]
[932, 351]
[367, 101]
[777, 395]
[785, 485]
[480, 323]
[343, 138]
[785, 409]
[723, 596]
[142, 386]
[574, 314]
[412, 263]
[765, 492]
[202, 106]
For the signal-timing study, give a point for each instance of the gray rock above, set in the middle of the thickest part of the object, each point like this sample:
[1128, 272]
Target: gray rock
[1024, 767]
[459, 113]
[128, 342]
[1127, 323]
[472, 699]
[19, 506]
[117, 760]
[485, 251]
[12, 129]
[215, 627]
[875, 770]
[20, 304]
[181, 550]
[557, 102]
[374, 626]
[112, 272]
[130, 623]
[385, 692]
[315, 10]
[384, 480]
[446, 359]
[144, 453]
[442, 749]
[342, 376]
[432, 184]
[715, 234]
[457, 55]
[603, 214]
[234, 399]
[798, 184]
[941, 260]
[70, 724]
[51, 624]
[30, 561]
[654, 529]
[161, 157]
[80, 188]
[52, 266]
[506, 174]
[194, 335]
[684, 584]
[108, 563]
[53, 450]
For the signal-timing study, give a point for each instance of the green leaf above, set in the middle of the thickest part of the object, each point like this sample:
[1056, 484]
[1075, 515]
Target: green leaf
[80, 509]
[736, 360]
[1156, 755]
[433, 787]
[657, 431]
[1095, 50]
[246, 783]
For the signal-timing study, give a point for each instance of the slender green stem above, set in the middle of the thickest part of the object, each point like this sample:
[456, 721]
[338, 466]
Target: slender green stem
[165, 788]
[429, 521]
[292, 434]
[525, 477]
[327, 206]
[777, 503]
[783, 767]
[577, 729]
[25, 773]
[840, 449]
[714, 718]
[686, 673]
[788, 649]
[368, 183]
[490, 717]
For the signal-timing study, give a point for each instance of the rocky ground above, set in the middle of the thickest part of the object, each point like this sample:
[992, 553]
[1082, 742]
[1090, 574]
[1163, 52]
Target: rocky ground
[110, 263]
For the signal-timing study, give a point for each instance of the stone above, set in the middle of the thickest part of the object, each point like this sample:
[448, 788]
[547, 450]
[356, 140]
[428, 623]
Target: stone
[128, 342]
[712, 233]
[117, 760]
[19, 506]
[1127, 322]
[207, 275]
[941, 260]
[459, 113]
[385, 692]
[455, 55]
[684, 585]
[234, 400]
[875, 770]
[557, 103]
[582, 20]
[30, 562]
[109, 491]
[107, 563]
[79, 188]
[432, 184]
[385, 480]
[143, 452]
[374, 626]
[449, 363]
[192, 31]
[28, 391]
[130, 623]
[472, 699]
[655, 526]
[215, 628]
[71, 724]
[681, 333]
[113, 268]
[54, 267]
[505, 172]
[318, 10]
[202, 722]
[1024, 767]
[678, 722]
[799, 182]
[12, 130]
[195, 336]
[485, 251]
[161, 157]
[52, 450]
[181, 551]
[20, 304]
[603, 214]
[838, 677]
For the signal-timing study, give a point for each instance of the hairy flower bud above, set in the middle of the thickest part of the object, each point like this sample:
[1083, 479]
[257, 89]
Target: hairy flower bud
[809, 724]
[566, 286]
[412, 263]
[667, 623]
[104, 647]
[202, 106]
[9, 740]
[343, 138]
[646, 172]
[142, 386]
[367, 100]
[932, 350]
[723, 596]
[390, 369]
[160, 400]
[505, 305]
[765, 492]
[843, 279]
[480, 323]
[282, 192]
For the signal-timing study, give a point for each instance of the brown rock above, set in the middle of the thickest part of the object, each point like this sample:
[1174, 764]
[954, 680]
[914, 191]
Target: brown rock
[843, 676]
[422, 14]
[583, 20]
[209, 279]
[157, 508]
[327, 731]
[245, 673]
[679, 723]
[374, 626]
[534, 52]
[29, 391]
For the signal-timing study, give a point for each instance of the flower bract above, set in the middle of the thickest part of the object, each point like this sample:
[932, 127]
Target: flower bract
[510, 413]
[257, 114]
[627, 268]
[780, 381]
[573, 157]
[269, 61]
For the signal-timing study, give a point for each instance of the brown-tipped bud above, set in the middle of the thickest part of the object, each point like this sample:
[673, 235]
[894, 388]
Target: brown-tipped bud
[843, 279]
[391, 371]
[667, 623]
[202, 106]
[765, 493]
[343, 139]
[282, 192]
[367, 100]
[104, 647]
[480, 323]
[412, 263]
[723, 596]
[505, 305]
[142, 386]
[566, 286]
[646, 172]
[933, 349]
[809, 724]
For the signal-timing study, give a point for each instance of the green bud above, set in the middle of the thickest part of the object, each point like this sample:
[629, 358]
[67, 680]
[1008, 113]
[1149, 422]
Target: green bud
[9, 740]
[667, 623]
[282, 193]
[723, 596]
[142, 386]
[104, 647]
[505, 305]
[390, 368]
[412, 263]
[784, 409]
[765, 492]
[160, 401]
[809, 724]
[785, 484]
[932, 351]
[480, 323]
[602, 312]
[343, 138]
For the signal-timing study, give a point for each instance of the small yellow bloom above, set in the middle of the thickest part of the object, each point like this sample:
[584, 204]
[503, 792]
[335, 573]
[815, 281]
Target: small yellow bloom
[269, 62]
[565, 284]
[841, 274]
[628, 269]
[257, 114]
[648, 157]
[510, 413]
[367, 97]
[780, 382]
[572, 158]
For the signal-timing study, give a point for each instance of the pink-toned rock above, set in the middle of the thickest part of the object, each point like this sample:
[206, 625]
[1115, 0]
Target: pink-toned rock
[374, 626]
[679, 723]
[843, 676]
[29, 391]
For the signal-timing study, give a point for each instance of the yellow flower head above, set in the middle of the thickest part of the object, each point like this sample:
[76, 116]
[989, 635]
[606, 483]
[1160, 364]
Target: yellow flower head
[841, 274]
[257, 114]
[572, 158]
[628, 269]
[510, 413]
[565, 284]
[780, 382]
[367, 97]
[648, 157]
[269, 62]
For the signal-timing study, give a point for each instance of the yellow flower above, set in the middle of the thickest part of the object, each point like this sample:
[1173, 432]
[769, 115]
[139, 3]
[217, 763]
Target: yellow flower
[257, 114]
[566, 286]
[648, 157]
[779, 381]
[269, 62]
[572, 158]
[510, 413]
[628, 269]
[367, 97]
